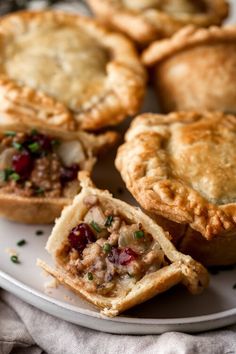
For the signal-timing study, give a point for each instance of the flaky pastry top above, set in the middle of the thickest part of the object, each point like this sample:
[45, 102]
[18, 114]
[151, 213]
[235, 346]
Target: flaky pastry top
[186, 38]
[73, 61]
[183, 166]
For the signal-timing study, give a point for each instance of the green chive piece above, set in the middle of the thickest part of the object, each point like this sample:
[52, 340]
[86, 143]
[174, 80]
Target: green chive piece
[10, 133]
[107, 248]
[15, 259]
[90, 276]
[55, 142]
[138, 234]
[95, 226]
[5, 174]
[15, 177]
[39, 191]
[21, 243]
[34, 147]
[39, 232]
[17, 146]
[109, 221]
[34, 132]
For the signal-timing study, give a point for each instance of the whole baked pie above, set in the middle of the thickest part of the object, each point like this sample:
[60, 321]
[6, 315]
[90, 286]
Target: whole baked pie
[39, 168]
[114, 255]
[147, 20]
[67, 71]
[182, 167]
[195, 69]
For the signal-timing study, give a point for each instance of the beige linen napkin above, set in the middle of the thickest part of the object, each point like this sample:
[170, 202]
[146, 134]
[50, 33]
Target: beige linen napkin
[25, 329]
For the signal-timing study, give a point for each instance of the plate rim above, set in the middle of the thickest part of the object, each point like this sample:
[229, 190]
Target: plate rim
[120, 319]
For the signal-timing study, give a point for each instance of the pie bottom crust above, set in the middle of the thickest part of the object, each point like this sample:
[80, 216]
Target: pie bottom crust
[182, 268]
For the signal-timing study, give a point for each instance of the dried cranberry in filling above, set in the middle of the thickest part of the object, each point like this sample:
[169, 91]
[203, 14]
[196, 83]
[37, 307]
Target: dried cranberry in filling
[80, 236]
[69, 174]
[122, 257]
[127, 255]
[22, 164]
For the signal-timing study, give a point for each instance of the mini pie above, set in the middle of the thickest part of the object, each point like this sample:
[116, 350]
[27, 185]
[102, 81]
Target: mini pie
[38, 169]
[147, 20]
[195, 69]
[182, 166]
[115, 256]
[67, 71]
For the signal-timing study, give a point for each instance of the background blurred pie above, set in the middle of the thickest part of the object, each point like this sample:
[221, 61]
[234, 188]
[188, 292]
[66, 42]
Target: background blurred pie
[147, 20]
[195, 69]
[66, 71]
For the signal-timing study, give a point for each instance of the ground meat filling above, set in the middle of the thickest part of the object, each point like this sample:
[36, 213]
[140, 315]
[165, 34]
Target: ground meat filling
[31, 166]
[109, 252]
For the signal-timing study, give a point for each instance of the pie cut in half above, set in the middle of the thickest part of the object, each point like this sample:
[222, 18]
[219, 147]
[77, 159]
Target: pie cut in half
[114, 255]
[39, 168]
[67, 71]
[195, 70]
[182, 167]
[148, 20]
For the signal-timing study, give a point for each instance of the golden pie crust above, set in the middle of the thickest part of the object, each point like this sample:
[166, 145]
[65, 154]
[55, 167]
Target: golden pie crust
[147, 20]
[182, 268]
[182, 166]
[67, 71]
[44, 210]
[195, 70]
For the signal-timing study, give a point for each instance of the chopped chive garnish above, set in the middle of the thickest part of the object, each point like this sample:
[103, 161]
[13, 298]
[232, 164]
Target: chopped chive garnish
[109, 221]
[34, 147]
[138, 234]
[34, 132]
[39, 232]
[107, 248]
[5, 174]
[15, 177]
[55, 142]
[95, 226]
[21, 243]
[90, 276]
[39, 191]
[15, 259]
[17, 146]
[10, 133]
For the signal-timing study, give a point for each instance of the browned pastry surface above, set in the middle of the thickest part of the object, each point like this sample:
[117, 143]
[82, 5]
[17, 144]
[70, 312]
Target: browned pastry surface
[182, 166]
[66, 70]
[147, 20]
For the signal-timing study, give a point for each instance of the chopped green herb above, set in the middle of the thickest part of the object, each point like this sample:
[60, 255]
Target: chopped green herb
[109, 221]
[15, 259]
[55, 142]
[34, 132]
[138, 234]
[15, 177]
[95, 226]
[17, 146]
[39, 232]
[5, 174]
[10, 133]
[107, 248]
[34, 147]
[21, 243]
[39, 191]
[90, 276]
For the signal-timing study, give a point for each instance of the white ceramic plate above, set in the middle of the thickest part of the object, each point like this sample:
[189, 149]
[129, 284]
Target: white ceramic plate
[175, 310]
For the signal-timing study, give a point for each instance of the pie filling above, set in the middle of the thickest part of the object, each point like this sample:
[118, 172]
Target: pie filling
[173, 7]
[62, 61]
[108, 252]
[37, 165]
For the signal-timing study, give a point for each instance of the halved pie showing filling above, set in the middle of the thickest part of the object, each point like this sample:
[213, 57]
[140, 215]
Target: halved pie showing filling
[39, 168]
[114, 255]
